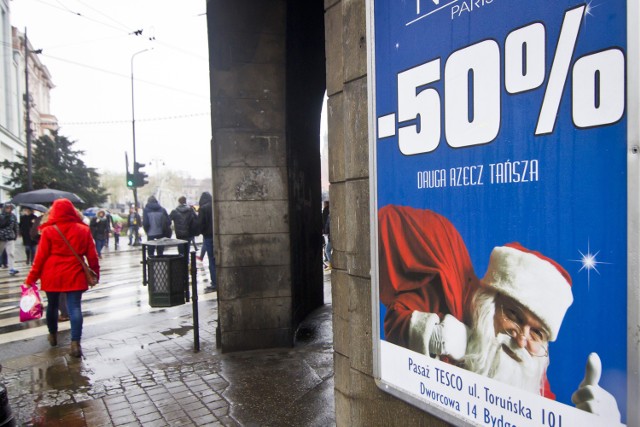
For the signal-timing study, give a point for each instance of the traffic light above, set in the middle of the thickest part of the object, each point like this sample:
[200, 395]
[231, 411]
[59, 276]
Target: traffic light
[139, 177]
[130, 180]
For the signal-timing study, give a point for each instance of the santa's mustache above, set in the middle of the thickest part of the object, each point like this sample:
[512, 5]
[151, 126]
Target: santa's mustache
[510, 346]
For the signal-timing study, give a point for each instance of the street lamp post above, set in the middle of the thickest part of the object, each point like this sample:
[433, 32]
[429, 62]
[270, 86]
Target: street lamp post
[133, 125]
[27, 106]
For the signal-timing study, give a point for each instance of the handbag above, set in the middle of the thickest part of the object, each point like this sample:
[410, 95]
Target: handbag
[90, 275]
[30, 303]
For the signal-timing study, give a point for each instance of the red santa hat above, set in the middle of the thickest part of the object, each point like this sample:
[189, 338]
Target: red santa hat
[537, 282]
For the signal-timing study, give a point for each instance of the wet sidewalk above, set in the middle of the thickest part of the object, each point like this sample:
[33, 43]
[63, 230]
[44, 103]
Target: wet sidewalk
[148, 374]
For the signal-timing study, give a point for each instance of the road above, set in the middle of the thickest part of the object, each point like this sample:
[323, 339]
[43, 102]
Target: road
[116, 302]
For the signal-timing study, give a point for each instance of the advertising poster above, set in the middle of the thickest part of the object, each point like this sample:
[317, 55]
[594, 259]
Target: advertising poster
[500, 193]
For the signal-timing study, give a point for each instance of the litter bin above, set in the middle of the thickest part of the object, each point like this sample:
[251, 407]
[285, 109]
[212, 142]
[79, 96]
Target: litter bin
[167, 276]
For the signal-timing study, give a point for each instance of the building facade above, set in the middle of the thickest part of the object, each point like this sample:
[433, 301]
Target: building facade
[13, 136]
[12, 139]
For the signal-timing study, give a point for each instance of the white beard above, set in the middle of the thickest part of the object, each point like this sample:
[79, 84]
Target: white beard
[486, 356]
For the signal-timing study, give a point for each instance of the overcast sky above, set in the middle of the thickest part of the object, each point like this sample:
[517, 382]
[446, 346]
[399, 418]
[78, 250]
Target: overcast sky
[88, 46]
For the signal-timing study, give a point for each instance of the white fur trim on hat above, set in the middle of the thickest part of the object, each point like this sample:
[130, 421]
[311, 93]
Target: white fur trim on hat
[534, 281]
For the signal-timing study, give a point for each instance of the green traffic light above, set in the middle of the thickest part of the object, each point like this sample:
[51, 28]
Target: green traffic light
[130, 180]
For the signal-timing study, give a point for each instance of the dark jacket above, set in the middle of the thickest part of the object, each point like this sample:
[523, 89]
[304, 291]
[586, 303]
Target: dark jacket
[99, 227]
[133, 220]
[154, 219]
[183, 217]
[327, 227]
[26, 223]
[205, 215]
[34, 232]
[8, 226]
[325, 217]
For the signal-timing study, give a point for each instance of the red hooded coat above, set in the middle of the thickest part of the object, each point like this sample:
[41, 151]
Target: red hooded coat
[55, 265]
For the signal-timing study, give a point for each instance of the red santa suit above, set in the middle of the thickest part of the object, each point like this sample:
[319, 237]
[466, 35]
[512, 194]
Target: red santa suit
[425, 268]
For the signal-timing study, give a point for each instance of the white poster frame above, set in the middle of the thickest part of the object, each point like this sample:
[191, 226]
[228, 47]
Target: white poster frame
[633, 226]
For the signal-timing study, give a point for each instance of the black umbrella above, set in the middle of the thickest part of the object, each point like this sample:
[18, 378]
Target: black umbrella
[34, 206]
[45, 195]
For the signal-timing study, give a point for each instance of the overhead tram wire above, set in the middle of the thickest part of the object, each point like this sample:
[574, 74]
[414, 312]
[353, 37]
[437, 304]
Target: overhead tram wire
[186, 52]
[127, 121]
[102, 70]
[78, 43]
[125, 27]
[67, 10]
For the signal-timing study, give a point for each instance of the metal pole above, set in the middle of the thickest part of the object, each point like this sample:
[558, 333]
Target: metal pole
[194, 303]
[27, 103]
[133, 126]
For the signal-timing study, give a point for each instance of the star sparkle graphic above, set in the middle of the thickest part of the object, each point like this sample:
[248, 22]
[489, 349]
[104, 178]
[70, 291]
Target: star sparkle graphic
[589, 8]
[589, 262]
[588, 11]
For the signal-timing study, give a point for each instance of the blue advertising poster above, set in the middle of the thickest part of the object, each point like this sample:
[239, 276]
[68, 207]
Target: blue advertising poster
[500, 168]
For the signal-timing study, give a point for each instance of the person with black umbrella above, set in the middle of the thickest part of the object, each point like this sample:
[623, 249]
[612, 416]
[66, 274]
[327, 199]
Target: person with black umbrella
[27, 219]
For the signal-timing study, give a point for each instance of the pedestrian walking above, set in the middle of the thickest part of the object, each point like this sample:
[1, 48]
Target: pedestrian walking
[326, 231]
[117, 229]
[205, 227]
[9, 230]
[110, 224]
[156, 224]
[99, 226]
[58, 269]
[133, 225]
[183, 218]
[34, 233]
[27, 219]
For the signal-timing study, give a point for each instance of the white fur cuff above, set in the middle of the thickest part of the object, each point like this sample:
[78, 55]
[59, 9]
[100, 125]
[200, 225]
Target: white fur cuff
[420, 329]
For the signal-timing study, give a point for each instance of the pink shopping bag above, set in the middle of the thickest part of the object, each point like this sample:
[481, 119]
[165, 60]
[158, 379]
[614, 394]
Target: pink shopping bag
[30, 303]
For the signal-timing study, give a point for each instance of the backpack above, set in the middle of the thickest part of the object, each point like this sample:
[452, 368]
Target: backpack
[194, 224]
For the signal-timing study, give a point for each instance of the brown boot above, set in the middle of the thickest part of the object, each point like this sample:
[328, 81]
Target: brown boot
[76, 351]
[53, 339]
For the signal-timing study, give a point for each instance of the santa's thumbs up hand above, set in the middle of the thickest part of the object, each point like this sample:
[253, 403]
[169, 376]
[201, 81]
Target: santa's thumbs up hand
[593, 371]
[590, 396]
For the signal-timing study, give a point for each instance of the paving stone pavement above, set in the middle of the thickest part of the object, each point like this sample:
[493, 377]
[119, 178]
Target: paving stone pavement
[149, 375]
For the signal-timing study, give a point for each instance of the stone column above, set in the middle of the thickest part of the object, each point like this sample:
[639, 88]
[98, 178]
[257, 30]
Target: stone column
[265, 182]
[359, 402]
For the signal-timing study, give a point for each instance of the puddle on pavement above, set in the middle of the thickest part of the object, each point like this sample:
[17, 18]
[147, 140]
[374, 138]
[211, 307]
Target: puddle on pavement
[306, 333]
[67, 415]
[177, 332]
[111, 364]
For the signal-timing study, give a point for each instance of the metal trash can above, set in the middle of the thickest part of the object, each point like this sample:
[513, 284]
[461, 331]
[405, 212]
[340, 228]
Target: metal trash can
[168, 279]
[167, 276]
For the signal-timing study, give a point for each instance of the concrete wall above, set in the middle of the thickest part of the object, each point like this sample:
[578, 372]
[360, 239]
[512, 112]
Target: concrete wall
[266, 92]
[306, 82]
[267, 213]
[358, 401]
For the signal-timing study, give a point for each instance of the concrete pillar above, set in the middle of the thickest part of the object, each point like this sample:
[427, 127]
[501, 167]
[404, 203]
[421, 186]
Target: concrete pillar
[266, 168]
[359, 402]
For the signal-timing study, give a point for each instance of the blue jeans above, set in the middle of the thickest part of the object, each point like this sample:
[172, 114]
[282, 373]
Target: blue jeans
[74, 300]
[133, 234]
[207, 245]
[328, 251]
[99, 245]
[151, 250]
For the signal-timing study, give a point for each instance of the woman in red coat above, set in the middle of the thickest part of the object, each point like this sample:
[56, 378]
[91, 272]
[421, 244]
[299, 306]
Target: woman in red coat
[60, 271]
